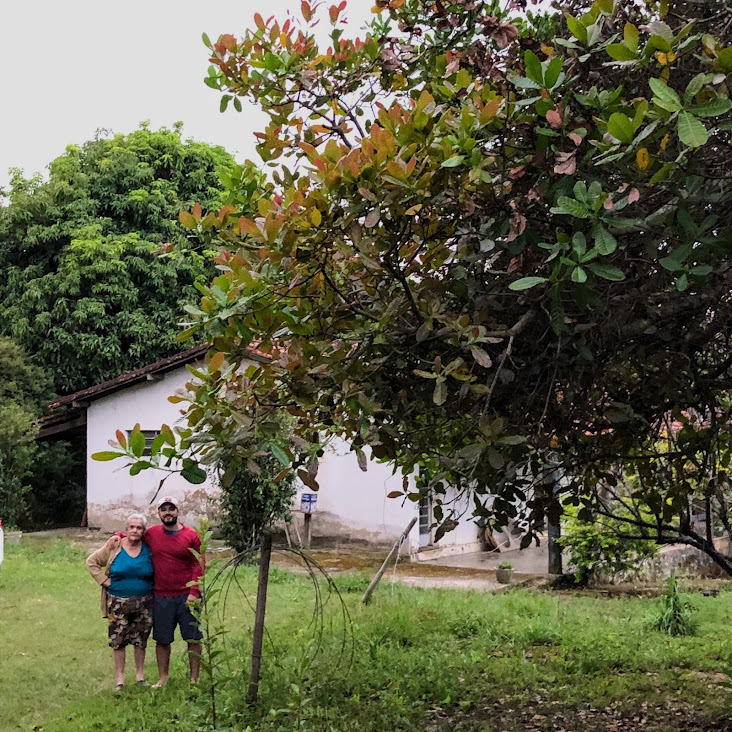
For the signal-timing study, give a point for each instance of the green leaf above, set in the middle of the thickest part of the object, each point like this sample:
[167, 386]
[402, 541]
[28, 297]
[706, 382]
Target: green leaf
[454, 161]
[630, 36]
[662, 174]
[691, 131]
[137, 442]
[620, 52]
[105, 455]
[606, 271]
[694, 87]
[712, 108]
[682, 282]
[580, 192]
[577, 29]
[579, 275]
[279, 453]
[659, 28]
[725, 59]
[569, 206]
[604, 240]
[553, 70]
[440, 394]
[194, 474]
[526, 282]
[606, 6]
[701, 270]
[671, 264]
[534, 68]
[665, 97]
[139, 466]
[157, 444]
[620, 127]
[523, 83]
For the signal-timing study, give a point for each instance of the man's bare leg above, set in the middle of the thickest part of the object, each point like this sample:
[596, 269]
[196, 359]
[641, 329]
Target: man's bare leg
[140, 663]
[119, 664]
[194, 661]
[162, 655]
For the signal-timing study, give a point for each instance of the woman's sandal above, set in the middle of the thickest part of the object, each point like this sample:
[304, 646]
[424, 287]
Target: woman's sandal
[119, 687]
[141, 682]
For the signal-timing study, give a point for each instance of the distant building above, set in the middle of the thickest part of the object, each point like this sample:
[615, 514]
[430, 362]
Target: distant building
[352, 505]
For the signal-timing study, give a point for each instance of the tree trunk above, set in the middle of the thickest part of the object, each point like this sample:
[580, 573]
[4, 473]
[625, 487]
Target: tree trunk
[554, 531]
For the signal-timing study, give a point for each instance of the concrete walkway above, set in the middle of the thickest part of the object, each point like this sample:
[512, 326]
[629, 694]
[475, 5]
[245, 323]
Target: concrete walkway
[533, 560]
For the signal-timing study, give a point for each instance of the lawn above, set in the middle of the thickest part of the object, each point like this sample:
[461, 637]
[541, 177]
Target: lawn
[413, 660]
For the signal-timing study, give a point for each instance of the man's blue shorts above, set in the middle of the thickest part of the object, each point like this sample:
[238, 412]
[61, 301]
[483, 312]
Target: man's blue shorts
[169, 612]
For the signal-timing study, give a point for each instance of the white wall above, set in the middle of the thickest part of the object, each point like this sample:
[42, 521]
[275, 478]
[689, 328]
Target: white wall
[112, 493]
[352, 505]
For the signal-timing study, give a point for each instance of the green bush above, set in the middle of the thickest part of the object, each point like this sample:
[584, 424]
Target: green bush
[597, 548]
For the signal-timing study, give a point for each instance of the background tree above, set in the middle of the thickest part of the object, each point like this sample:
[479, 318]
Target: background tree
[487, 238]
[83, 288]
[24, 389]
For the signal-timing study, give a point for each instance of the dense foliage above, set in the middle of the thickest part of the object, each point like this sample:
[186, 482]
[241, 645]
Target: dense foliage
[23, 389]
[598, 549]
[252, 501]
[486, 238]
[83, 288]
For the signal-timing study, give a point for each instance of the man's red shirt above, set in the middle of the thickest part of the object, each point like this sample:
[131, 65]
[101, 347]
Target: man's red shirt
[173, 562]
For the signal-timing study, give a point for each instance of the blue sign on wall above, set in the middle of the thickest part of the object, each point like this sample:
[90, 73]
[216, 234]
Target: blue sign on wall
[308, 502]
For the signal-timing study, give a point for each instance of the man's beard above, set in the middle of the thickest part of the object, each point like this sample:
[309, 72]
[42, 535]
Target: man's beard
[169, 520]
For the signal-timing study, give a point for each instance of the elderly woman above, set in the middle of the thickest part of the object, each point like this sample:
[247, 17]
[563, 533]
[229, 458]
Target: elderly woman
[125, 574]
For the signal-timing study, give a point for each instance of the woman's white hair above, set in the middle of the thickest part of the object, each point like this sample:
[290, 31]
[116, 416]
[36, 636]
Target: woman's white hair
[137, 517]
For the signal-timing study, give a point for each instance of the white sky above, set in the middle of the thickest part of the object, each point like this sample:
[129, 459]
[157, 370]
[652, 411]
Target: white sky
[70, 67]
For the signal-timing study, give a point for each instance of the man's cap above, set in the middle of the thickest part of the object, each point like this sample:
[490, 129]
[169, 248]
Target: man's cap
[168, 499]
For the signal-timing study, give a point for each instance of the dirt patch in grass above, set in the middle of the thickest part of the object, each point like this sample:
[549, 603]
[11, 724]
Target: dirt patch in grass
[547, 716]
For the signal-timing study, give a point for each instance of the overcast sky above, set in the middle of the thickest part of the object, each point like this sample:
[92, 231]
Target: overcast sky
[71, 67]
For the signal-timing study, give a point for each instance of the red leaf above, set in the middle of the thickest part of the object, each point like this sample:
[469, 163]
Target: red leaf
[247, 226]
[306, 10]
[518, 224]
[554, 118]
[634, 195]
[259, 22]
[566, 163]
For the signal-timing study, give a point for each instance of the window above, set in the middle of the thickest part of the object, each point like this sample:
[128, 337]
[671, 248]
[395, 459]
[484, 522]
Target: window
[149, 436]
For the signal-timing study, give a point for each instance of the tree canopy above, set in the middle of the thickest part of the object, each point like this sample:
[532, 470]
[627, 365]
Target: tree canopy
[83, 289]
[24, 388]
[487, 238]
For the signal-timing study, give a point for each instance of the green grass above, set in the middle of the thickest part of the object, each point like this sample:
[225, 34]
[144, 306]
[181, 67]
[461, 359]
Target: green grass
[413, 660]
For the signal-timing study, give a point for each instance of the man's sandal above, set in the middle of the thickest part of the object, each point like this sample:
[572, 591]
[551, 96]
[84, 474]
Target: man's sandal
[119, 687]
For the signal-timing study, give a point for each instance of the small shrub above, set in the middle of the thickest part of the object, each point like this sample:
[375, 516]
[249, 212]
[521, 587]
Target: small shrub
[356, 583]
[676, 614]
[252, 501]
[280, 576]
[505, 565]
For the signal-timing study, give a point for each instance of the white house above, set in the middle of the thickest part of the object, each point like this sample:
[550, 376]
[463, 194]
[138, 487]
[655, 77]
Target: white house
[352, 505]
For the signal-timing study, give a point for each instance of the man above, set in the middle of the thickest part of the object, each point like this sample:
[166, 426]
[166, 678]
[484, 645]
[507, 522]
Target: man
[175, 567]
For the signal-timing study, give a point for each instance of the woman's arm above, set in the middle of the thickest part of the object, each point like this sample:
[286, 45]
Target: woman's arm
[97, 564]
